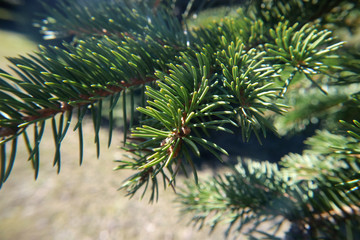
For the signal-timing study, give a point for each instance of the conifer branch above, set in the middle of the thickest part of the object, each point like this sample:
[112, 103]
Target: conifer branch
[57, 81]
[258, 69]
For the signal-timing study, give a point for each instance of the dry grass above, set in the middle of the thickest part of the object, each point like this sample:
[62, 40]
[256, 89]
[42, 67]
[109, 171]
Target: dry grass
[81, 202]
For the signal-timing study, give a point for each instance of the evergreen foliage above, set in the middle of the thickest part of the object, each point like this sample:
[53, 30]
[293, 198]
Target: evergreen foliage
[268, 66]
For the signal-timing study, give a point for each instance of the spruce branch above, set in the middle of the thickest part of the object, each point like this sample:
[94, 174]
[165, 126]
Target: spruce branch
[187, 100]
[182, 103]
[86, 19]
[295, 11]
[306, 50]
[248, 81]
[239, 198]
[255, 192]
[326, 143]
[232, 72]
[57, 81]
